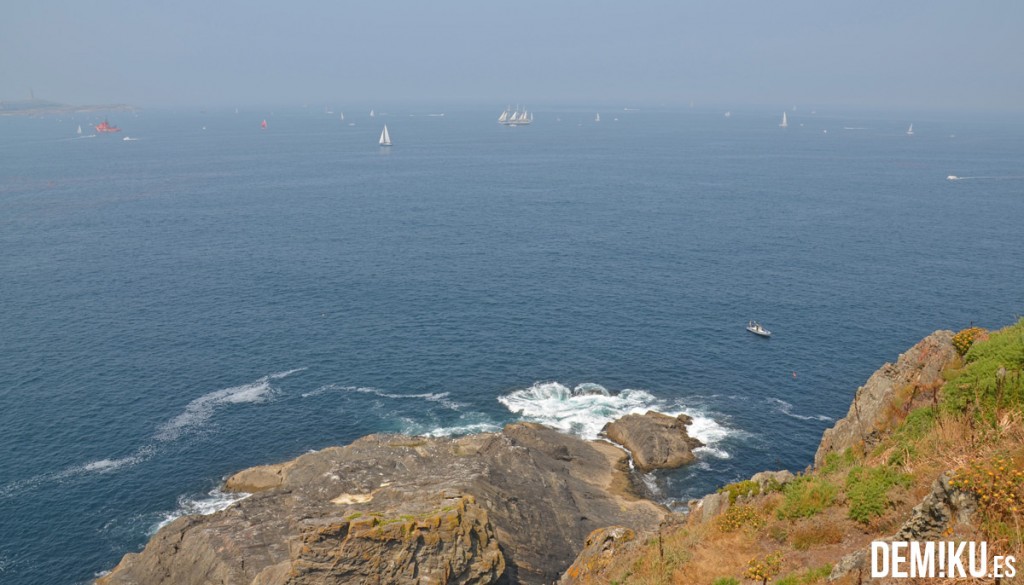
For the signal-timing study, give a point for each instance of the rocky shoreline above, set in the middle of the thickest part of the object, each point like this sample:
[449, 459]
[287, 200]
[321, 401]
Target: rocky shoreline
[525, 505]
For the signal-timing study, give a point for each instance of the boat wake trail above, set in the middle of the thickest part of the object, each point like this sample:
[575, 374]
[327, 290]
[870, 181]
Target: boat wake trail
[787, 409]
[441, 398]
[195, 414]
[200, 410]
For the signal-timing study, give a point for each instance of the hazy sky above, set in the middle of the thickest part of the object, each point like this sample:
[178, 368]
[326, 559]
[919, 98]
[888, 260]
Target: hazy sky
[872, 53]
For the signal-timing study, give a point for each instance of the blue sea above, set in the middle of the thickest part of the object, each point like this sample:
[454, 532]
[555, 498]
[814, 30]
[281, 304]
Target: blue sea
[211, 296]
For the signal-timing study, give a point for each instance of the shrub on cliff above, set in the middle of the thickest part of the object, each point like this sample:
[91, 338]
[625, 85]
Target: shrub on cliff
[963, 340]
[806, 496]
[867, 490]
[992, 378]
[998, 485]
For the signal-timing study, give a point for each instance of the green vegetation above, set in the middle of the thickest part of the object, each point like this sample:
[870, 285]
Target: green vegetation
[807, 577]
[726, 581]
[806, 496]
[740, 488]
[836, 462]
[867, 491]
[992, 377]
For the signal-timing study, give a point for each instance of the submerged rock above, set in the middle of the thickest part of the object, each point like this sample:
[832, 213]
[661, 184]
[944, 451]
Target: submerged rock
[655, 440]
[512, 506]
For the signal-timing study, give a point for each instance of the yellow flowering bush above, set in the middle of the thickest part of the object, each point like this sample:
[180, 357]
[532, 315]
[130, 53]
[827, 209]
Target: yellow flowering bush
[765, 568]
[963, 340]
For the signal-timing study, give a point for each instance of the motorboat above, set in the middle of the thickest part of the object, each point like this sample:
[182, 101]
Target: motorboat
[758, 329]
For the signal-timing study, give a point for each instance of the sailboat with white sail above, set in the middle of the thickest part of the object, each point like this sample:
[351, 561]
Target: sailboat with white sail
[784, 123]
[597, 117]
[910, 131]
[515, 117]
[385, 138]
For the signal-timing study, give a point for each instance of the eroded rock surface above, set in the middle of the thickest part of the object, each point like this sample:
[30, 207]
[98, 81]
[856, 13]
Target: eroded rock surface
[516, 505]
[655, 440]
[866, 421]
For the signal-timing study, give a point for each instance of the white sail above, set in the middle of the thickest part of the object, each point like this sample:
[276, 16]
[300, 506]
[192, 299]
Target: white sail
[79, 129]
[910, 131]
[343, 116]
[503, 117]
[597, 117]
[372, 114]
[385, 138]
[784, 123]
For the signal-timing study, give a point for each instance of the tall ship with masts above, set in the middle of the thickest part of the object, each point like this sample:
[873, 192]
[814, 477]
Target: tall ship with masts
[516, 117]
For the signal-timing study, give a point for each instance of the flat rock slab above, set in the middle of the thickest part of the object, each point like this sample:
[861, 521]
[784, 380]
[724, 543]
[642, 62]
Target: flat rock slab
[513, 506]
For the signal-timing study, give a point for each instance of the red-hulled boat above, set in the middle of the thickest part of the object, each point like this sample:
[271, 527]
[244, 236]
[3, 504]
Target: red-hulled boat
[105, 126]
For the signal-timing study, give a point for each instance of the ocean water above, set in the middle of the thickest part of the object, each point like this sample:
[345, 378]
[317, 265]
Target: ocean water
[196, 301]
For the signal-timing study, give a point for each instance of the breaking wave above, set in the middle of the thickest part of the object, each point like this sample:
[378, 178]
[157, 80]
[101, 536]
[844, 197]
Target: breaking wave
[586, 408]
[213, 502]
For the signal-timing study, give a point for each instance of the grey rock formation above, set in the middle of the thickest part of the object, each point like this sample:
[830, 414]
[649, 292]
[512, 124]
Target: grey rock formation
[865, 423]
[655, 440]
[516, 505]
[944, 508]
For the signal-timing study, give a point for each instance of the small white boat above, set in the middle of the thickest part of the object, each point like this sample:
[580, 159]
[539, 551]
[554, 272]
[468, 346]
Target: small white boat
[784, 123]
[79, 130]
[952, 178]
[758, 329]
[597, 117]
[385, 138]
[910, 131]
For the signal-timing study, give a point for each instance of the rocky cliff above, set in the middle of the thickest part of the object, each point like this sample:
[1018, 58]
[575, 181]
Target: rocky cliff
[870, 415]
[511, 506]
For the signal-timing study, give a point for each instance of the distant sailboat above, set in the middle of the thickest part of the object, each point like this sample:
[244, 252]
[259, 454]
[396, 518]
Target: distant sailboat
[79, 130]
[597, 117]
[515, 117]
[784, 123]
[385, 138]
[263, 124]
[343, 116]
[372, 115]
[910, 131]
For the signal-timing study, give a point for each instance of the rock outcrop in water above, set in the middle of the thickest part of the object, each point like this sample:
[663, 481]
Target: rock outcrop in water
[655, 440]
[516, 505]
[868, 419]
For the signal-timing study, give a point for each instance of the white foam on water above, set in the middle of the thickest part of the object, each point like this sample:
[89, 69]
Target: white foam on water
[213, 502]
[442, 398]
[195, 414]
[200, 410]
[585, 409]
[787, 409]
[97, 466]
[108, 465]
[459, 430]
[582, 411]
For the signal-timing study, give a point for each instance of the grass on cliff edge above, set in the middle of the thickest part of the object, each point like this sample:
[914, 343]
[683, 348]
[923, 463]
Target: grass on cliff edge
[972, 426]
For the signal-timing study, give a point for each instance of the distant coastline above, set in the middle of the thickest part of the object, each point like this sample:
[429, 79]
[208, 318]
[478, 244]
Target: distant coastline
[38, 107]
